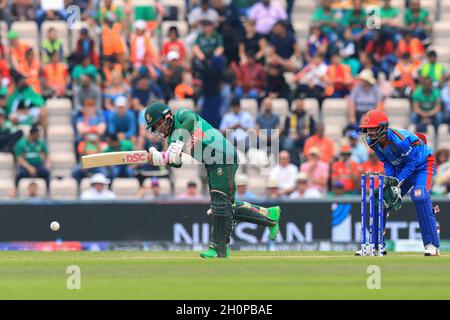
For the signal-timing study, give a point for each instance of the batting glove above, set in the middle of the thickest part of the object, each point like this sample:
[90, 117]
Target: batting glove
[157, 157]
[175, 149]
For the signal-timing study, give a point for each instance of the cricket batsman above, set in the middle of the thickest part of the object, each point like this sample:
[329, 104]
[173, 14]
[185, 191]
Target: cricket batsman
[187, 132]
[408, 164]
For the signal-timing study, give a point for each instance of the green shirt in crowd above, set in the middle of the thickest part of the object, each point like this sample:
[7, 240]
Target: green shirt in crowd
[80, 71]
[28, 94]
[7, 127]
[426, 102]
[322, 16]
[410, 18]
[118, 11]
[355, 21]
[209, 44]
[31, 151]
[124, 145]
[389, 13]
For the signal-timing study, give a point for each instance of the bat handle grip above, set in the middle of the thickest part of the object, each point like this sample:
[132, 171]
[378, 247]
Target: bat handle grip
[165, 156]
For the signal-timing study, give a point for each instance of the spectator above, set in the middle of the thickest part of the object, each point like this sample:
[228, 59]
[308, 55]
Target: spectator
[445, 97]
[110, 68]
[122, 121]
[317, 43]
[356, 19]
[364, 96]
[51, 44]
[86, 46]
[32, 156]
[276, 85]
[404, 77]
[411, 45]
[273, 193]
[86, 90]
[173, 74]
[174, 43]
[112, 40]
[89, 144]
[297, 128]
[32, 190]
[346, 47]
[372, 165]
[390, 19]
[302, 191]
[192, 193]
[346, 170]
[267, 124]
[242, 193]
[23, 10]
[327, 19]
[324, 144]
[382, 49]
[9, 134]
[31, 69]
[25, 96]
[144, 89]
[434, 70]
[17, 49]
[359, 151]
[85, 68]
[426, 106]
[198, 14]
[252, 42]
[156, 192]
[339, 78]
[266, 13]
[366, 61]
[56, 77]
[442, 156]
[316, 170]
[118, 89]
[285, 173]
[50, 12]
[116, 145]
[4, 10]
[417, 20]
[108, 7]
[142, 51]
[339, 189]
[250, 77]
[284, 47]
[312, 79]
[209, 43]
[237, 122]
[98, 189]
[90, 120]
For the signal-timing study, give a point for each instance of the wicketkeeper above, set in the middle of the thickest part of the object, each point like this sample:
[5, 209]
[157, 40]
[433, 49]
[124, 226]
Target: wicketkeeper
[409, 164]
[187, 132]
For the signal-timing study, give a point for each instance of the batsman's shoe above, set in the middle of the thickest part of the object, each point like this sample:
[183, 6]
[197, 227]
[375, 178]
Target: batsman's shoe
[359, 253]
[274, 214]
[211, 253]
[431, 251]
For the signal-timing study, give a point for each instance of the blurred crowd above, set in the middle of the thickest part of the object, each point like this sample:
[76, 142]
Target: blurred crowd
[231, 50]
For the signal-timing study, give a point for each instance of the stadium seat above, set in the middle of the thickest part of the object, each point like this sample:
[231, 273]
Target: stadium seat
[125, 188]
[257, 184]
[6, 166]
[59, 111]
[61, 30]
[335, 111]
[3, 34]
[61, 173]
[62, 160]
[164, 185]
[280, 106]
[443, 51]
[25, 182]
[334, 132]
[398, 111]
[176, 105]
[182, 27]
[301, 28]
[84, 184]
[63, 188]
[58, 147]
[6, 188]
[60, 133]
[257, 158]
[28, 32]
[250, 105]
[75, 34]
[443, 135]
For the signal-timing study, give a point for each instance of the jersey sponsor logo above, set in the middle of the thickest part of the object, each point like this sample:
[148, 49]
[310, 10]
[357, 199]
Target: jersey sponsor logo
[417, 193]
[135, 158]
[403, 155]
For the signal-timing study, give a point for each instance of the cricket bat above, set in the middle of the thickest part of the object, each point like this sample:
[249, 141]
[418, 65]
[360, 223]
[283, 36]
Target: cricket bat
[114, 158]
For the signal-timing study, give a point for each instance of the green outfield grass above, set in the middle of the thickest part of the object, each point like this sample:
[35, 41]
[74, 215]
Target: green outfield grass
[247, 275]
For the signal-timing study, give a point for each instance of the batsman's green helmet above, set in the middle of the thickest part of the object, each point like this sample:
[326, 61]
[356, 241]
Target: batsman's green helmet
[155, 112]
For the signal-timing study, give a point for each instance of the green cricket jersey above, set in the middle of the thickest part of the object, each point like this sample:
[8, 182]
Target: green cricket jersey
[32, 151]
[203, 142]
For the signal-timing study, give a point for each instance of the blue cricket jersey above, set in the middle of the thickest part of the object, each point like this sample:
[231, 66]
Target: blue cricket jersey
[402, 154]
